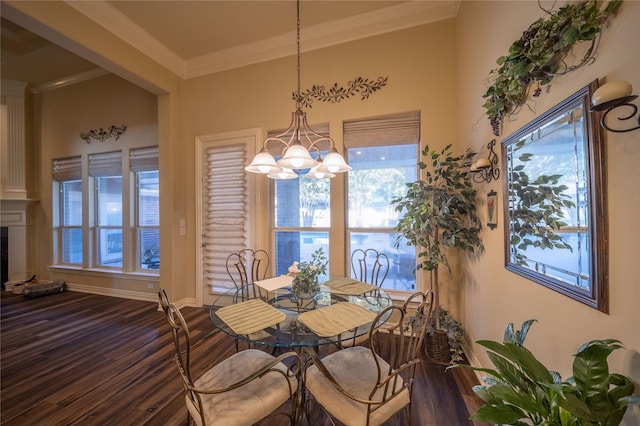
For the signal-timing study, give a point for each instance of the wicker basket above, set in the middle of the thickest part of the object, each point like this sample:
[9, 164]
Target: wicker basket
[437, 346]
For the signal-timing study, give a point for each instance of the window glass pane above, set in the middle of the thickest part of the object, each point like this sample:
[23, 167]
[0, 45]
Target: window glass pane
[149, 248]
[109, 201]
[72, 245]
[302, 202]
[148, 199]
[298, 246]
[402, 260]
[379, 175]
[110, 247]
[71, 203]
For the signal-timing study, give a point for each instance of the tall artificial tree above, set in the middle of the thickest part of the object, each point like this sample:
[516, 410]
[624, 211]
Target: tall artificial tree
[439, 212]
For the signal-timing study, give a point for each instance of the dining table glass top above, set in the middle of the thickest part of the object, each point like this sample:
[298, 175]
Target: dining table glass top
[342, 310]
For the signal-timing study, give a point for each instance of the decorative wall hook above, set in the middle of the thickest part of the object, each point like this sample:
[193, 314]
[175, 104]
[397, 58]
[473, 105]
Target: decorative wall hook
[102, 135]
[486, 169]
[611, 96]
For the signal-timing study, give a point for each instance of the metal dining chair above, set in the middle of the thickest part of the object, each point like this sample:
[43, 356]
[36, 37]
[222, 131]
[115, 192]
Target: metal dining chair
[370, 266]
[367, 386]
[245, 268]
[241, 390]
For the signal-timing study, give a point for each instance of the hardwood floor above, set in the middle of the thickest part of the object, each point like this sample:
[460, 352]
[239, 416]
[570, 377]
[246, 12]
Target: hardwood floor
[82, 359]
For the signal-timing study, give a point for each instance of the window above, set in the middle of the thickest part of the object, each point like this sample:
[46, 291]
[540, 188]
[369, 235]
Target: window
[98, 237]
[107, 172]
[302, 219]
[144, 165]
[67, 175]
[383, 152]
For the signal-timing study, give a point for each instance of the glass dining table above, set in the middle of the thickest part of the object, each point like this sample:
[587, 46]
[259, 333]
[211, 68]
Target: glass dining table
[341, 311]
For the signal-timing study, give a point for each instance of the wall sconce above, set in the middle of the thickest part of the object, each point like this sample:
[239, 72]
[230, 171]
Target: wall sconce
[611, 96]
[486, 169]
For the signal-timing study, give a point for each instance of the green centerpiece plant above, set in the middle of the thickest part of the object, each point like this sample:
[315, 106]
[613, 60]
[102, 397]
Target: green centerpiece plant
[438, 214]
[305, 274]
[521, 390]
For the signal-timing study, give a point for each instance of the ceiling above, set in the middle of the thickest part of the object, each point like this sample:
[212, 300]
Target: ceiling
[194, 38]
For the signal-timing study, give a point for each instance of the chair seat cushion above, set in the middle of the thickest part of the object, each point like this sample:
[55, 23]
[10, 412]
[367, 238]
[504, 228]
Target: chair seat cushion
[355, 370]
[247, 404]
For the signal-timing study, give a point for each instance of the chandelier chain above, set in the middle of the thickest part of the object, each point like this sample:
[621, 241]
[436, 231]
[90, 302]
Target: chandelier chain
[298, 104]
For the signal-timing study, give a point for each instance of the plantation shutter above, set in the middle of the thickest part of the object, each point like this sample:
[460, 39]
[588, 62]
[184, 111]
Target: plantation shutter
[66, 169]
[397, 129]
[107, 164]
[144, 159]
[225, 210]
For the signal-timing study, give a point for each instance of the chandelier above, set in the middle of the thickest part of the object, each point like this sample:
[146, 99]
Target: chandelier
[297, 143]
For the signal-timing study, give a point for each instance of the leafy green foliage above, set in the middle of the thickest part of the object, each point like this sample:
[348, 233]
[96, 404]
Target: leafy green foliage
[305, 274]
[539, 55]
[521, 391]
[536, 211]
[439, 211]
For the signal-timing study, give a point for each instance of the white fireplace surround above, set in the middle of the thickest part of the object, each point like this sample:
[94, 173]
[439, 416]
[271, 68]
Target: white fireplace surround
[13, 191]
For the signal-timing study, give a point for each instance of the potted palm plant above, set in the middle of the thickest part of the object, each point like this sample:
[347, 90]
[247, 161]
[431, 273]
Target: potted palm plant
[439, 212]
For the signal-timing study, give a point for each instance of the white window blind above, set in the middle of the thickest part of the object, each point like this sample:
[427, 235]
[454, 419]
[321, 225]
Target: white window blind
[106, 164]
[397, 129]
[225, 211]
[67, 169]
[144, 159]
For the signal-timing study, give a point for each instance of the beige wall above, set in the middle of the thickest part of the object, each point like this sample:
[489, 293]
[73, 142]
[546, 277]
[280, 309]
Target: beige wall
[439, 69]
[260, 96]
[64, 113]
[495, 296]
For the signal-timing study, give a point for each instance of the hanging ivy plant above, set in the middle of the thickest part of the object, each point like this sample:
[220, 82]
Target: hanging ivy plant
[540, 54]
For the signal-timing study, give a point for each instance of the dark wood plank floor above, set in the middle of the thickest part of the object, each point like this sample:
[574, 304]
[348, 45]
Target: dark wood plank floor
[82, 359]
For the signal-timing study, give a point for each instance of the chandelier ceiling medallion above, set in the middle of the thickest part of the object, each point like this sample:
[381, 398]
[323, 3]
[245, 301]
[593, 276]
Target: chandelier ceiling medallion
[298, 142]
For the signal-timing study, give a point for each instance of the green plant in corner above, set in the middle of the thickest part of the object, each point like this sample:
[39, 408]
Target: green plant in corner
[454, 331]
[539, 55]
[439, 212]
[522, 391]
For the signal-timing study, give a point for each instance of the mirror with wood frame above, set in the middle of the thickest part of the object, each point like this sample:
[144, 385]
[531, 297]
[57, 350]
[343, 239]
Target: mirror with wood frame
[555, 204]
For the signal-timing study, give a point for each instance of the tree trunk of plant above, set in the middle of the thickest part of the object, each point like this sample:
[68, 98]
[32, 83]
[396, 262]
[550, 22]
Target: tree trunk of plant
[436, 295]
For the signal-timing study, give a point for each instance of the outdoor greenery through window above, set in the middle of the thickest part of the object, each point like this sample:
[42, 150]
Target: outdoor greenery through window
[383, 152]
[302, 220]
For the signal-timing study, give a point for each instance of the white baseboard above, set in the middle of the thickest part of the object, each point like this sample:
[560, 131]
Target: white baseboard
[125, 294]
[473, 361]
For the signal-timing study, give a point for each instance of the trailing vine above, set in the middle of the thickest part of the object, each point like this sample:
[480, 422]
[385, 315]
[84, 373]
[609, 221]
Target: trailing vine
[539, 55]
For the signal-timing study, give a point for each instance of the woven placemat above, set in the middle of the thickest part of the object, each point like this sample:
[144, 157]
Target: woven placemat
[250, 316]
[349, 286]
[335, 319]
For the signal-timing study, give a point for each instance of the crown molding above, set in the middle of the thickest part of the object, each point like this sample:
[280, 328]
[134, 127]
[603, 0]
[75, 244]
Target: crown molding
[394, 18]
[122, 27]
[69, 80]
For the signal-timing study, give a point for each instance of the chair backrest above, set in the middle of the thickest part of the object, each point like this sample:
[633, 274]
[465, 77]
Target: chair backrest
[404, 333]
[369, 266]
[182, 346]
[245, 267]
[164, 300]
